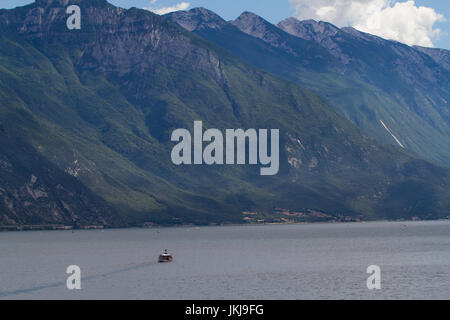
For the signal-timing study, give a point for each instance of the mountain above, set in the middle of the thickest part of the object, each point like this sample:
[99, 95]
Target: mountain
[86, 118]
[396, 93]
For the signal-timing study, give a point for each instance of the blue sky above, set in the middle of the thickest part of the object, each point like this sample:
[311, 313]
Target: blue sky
[397, 20]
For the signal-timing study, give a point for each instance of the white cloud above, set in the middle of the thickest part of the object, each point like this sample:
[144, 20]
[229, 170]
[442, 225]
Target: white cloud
[401, 21]
[177, 7]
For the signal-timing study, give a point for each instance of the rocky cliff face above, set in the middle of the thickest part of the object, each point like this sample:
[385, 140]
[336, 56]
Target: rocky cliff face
[198, 19]
[34, 191]
[112, 39]
[309, 29]
[320, 32]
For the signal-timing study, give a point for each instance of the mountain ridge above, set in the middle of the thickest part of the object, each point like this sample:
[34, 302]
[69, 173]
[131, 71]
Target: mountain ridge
[369, 80]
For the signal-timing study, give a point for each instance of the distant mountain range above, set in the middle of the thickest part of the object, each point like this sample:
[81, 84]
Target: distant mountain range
[396, 93]
[86, 118]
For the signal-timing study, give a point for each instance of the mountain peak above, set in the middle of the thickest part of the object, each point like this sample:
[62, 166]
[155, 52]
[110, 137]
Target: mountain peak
[64, 3]
[308, 29]
[203, 11]
[248, 18]
[254, 25]
[50, 2]
[196, 19]
[249, 15]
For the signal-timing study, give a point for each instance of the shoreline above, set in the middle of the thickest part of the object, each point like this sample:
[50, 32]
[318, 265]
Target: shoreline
[30, 228]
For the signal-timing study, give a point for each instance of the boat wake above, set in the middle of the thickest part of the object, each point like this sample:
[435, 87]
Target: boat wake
[131, 267]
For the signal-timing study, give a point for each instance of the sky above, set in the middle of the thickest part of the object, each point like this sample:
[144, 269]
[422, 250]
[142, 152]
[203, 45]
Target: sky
[414, 22]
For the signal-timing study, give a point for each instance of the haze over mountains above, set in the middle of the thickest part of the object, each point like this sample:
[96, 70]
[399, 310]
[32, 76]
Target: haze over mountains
[86, 118]
[397, 93]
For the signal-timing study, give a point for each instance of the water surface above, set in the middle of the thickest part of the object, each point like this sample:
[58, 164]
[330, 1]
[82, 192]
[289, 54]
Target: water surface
[312, 261]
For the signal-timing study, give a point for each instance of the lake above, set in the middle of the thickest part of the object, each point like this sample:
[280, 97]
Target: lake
[308, 261]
